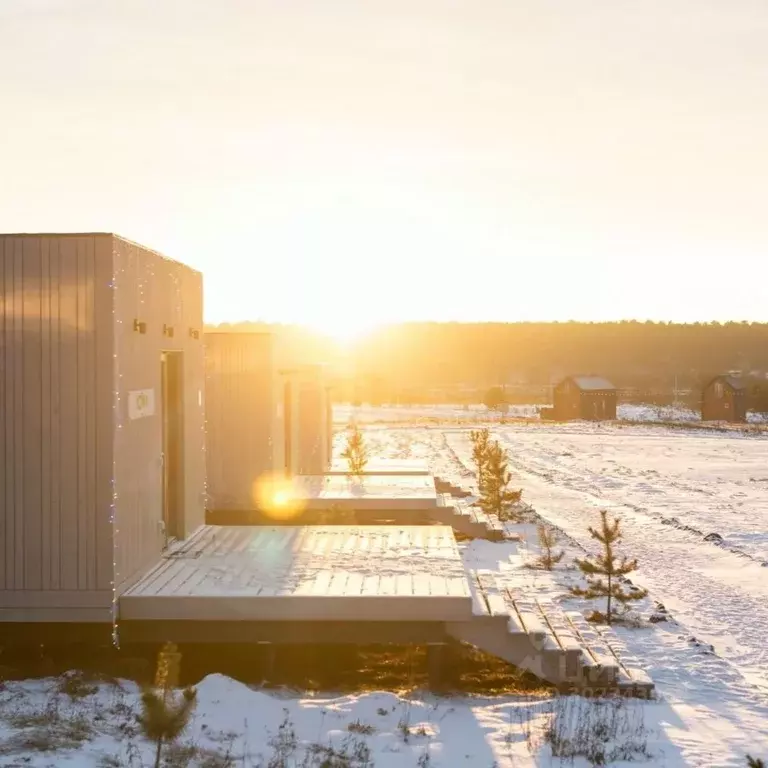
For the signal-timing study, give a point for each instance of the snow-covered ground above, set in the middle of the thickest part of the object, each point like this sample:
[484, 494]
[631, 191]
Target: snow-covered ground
[672, 487]
[235, 725]
[366, 414]
[658, 486]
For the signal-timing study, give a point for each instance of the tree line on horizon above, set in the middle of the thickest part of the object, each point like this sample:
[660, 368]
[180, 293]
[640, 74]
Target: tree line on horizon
[654, 358]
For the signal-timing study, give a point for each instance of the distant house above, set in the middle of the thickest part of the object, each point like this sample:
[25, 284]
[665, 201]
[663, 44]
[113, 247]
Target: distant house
[724, 399]
[584, 397]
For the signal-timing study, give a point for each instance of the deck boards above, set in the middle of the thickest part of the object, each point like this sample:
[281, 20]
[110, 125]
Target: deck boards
[364, 573]
[370, 492]
[378, 466]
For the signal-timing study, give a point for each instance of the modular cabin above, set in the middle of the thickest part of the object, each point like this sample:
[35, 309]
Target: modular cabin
[590, 398]
[244, 418]
[264, 423]
[101, 421]
[308, 420]
[724, 398]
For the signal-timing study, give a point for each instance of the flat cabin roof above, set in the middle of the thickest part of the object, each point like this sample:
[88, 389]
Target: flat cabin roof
[102, 234]
[306, 573]
[384, 467]
[367, 492]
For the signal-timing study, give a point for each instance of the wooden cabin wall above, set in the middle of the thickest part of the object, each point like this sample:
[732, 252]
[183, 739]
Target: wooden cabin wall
[153, 295]
[55, 428]
[244, 418]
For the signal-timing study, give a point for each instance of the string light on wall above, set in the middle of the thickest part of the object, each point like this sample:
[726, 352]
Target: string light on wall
[201, 396]
[136, 293]
[117, 422]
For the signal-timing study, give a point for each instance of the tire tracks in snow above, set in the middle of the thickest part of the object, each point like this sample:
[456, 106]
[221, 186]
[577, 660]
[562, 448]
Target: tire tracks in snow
[731, 616]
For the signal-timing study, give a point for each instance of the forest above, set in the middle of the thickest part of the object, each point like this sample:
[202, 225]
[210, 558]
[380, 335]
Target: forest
[647, 360]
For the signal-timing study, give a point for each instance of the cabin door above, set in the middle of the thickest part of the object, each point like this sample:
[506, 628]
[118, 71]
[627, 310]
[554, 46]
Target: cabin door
[172, 380]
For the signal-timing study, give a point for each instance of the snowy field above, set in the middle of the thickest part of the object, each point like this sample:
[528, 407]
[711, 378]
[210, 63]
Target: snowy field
[694, 507]
[366, 414]
[702, 633]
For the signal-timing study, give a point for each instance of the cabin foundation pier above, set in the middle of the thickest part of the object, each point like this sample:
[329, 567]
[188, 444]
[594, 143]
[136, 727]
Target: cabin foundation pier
[266, 656]
[436, 667]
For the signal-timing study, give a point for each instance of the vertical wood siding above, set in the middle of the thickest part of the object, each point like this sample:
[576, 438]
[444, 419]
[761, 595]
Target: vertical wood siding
[313, 437]
[312, 419]
[243, 423]
[156, 291]
[329, 424]
[55, 427]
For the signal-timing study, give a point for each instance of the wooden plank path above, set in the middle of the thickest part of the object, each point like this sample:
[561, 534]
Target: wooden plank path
[575, 652]
[368, 492]
[469, 520]
[590, 655]
[362, 573]
[605, 648]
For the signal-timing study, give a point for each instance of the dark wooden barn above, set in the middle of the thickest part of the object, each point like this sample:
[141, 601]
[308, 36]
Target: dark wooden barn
[724, 399]
[584, 397]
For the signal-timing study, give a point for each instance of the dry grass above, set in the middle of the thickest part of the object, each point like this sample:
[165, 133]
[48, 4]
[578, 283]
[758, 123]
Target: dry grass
[339, 668]
[46, 729]
[82, 706]
[399, 669]
[72, 714]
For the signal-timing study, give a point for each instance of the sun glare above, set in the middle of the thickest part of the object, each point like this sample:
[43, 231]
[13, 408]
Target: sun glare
[276, 497]
[344, 332]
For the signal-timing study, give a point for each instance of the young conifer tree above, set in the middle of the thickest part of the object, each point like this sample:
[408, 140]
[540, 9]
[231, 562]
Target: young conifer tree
[548, 558]
[164, 715]
[604, 571]
[355, 452]
[755, 762]
[481, 439]
[496, 497]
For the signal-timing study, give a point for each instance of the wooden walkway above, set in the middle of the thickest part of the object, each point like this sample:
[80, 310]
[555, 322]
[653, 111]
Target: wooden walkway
[380, 466]
[564, 648]
[367, 492]
[263, 573]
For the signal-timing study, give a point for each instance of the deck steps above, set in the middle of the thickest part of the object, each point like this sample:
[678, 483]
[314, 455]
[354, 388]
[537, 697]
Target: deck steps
[604, 647]
[539, 635]
[510, 627]
[444, 485]
[469, 520]
[590, 656]
[480, 605]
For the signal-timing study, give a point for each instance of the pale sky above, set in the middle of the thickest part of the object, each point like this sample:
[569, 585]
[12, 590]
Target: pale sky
[376, 161]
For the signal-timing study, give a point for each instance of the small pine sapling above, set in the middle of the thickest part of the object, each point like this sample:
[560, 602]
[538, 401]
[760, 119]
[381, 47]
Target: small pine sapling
[355, 452]
[496, 498]
[607, 565]
[481, 439]
[548, 559]
[755, 762]
[165, 716]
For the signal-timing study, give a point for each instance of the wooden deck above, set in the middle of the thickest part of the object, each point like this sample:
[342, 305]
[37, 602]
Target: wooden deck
[307, 573]
[388, 492]
[379, 466]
